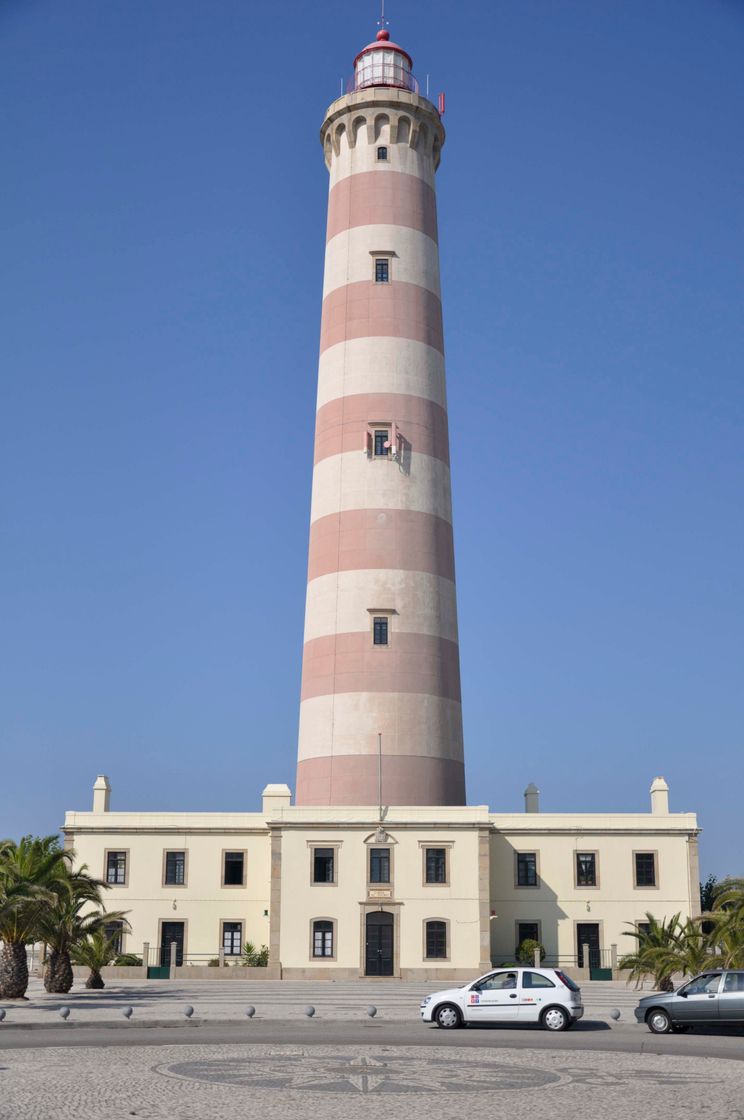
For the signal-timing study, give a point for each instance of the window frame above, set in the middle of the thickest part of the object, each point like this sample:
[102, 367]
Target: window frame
[232, 922]
[383, 263]
[172, 852]
[333, 932]
[371, 849]
[427, 846]
[645, 886]
[586, 886]
[121, 931]
[116, 851]
[334, 847]
[527, 886]
[447, 950]
[223, 865]
[381, 622]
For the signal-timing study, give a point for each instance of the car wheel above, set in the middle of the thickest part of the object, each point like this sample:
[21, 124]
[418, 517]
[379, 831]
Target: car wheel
[554, 1019]
[658, 1021]
[448, 1017]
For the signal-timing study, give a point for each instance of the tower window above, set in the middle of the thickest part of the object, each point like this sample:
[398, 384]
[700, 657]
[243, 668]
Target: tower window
[382, 153]
[382, 270]
[382, 440]
[380, 630]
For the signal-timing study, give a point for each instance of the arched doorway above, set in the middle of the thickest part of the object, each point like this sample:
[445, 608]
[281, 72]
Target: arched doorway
[379, 944]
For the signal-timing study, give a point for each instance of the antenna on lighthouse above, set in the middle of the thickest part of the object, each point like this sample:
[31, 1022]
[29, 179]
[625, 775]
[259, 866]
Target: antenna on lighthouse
[382, 21]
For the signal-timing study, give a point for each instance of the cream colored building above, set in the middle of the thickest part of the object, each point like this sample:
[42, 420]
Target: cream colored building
[438, 892]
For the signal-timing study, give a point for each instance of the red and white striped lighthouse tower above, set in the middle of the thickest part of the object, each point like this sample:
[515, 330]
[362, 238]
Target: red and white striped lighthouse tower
[381, 655]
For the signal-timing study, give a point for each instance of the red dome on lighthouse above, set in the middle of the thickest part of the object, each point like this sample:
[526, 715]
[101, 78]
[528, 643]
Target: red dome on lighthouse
[383, 63]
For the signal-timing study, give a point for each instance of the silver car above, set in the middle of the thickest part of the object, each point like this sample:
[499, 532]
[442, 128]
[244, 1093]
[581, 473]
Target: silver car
[713, 997]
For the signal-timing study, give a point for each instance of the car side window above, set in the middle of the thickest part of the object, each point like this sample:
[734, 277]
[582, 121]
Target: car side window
[703, 985]
[734, 982]
[536, 980]
[497, 982]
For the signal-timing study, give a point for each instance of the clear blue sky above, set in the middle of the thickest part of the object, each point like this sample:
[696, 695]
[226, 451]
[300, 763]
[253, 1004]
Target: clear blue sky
[162, 210]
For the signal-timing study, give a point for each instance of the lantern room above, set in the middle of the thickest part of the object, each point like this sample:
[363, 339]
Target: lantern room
[383, 63]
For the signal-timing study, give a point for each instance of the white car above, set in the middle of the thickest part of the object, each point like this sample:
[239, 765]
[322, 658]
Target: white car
[508, 995]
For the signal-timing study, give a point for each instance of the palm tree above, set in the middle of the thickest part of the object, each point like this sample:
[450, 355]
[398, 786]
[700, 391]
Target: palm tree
[31, 873]
[726, 918]
[68, 920]
[653, 955]
[95, 951]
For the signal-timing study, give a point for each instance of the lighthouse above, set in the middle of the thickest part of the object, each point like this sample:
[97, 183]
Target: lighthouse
[380, 710]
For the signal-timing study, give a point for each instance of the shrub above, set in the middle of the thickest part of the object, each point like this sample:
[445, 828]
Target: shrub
[526, 951]
[253, 957]
[127, 960]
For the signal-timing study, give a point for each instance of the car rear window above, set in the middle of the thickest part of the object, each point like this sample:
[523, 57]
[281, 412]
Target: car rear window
[573, 987]
[536, 980]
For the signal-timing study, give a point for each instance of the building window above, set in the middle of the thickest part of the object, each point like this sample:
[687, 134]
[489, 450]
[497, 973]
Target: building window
[382, 443]
[382, 153]
[232, 938]
[436, 865]
[233, 871]
[323, 938]
[116, 868]
[645, 869]
[323, 865]
[382, 270]
[114, 932]
[586, 869]
[436, 940]
[644, 928]
[380, 630]
[379, 865]
[175, 869]
[526, 869]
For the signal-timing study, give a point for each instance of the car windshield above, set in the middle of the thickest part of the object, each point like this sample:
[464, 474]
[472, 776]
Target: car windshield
[702, 985]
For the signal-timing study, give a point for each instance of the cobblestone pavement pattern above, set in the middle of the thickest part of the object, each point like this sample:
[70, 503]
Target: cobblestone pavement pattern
[379, 1083]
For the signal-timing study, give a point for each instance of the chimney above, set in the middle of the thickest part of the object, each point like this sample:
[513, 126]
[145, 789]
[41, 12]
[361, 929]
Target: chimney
[101, 794]
[532, 799]
[659, 797]
[276, 798]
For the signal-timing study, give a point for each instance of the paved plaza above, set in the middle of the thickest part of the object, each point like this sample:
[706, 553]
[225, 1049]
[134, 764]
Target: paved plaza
[197, 1082]
[99, 1066]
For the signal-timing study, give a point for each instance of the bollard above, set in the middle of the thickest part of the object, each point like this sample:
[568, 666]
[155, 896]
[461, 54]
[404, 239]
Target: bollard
[64, 1013]
[2, 1014]
[188, 1011]
[127, 1012]
[309, 1011]
[250, 1012]
[371, 1011]
[615, 1014]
